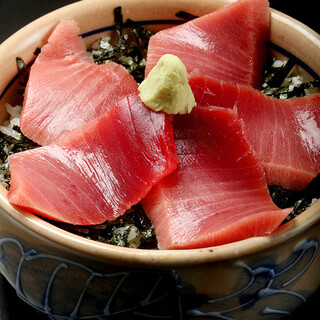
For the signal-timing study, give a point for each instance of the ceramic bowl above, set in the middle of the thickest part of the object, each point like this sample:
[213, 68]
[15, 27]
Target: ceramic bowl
[69, 277]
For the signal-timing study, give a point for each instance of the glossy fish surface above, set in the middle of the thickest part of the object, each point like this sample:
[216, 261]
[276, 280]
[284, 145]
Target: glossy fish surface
[284, 133]
[99, 170]
[229, 43]
[67, 89]
[218, 193]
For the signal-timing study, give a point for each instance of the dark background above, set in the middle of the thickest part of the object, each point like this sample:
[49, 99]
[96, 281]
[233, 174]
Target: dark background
[17, 13]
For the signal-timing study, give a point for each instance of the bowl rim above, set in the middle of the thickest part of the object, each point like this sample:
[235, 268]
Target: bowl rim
[146, 257]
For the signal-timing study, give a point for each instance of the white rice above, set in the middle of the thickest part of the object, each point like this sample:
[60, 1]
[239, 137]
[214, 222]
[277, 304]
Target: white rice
[14, 120]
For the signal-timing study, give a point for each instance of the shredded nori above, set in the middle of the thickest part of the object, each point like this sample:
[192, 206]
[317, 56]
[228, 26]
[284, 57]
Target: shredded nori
[8, 146]
[299, 201]
[130, 50]
[133, 229]
[275, 81]
[275, 76]
[298, 90]
[23, 72]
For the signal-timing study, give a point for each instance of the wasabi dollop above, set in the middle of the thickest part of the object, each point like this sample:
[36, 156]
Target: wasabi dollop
[166, 87]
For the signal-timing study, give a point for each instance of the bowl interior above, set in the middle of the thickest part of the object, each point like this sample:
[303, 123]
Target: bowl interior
[95, 19]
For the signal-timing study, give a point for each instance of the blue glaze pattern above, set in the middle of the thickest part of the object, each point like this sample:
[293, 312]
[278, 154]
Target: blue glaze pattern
[156, 294]
[265, 280]
[162, 288]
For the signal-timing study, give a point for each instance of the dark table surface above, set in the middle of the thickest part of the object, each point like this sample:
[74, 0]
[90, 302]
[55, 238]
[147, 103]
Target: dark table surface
[17, 13]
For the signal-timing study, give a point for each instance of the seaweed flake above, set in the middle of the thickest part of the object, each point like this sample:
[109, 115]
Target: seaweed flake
[132, 229]
[130, 50]
[8, 146]
[23, 73]
[299, 201]
[279, 84]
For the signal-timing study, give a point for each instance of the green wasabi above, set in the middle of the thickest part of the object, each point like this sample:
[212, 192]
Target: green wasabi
[166, 87]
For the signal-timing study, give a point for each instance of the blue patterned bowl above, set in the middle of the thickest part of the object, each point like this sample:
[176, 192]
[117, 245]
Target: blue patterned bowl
[69, 277]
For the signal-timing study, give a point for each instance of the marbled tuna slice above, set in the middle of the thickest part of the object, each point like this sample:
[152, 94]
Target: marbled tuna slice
[229, 43]
[67, 89]
[218, 193]
[98, 170]
[284, 133]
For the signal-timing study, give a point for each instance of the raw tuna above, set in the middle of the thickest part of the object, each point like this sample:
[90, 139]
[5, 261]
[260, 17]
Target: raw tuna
[284, 133]
[67, 89]
[229, 43]
[218, 193]
[98, 170]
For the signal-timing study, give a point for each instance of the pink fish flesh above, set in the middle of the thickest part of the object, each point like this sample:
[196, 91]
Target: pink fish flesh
[99, 170]
[218, 193]
[67, 89]
[284, 133]
[229, 43]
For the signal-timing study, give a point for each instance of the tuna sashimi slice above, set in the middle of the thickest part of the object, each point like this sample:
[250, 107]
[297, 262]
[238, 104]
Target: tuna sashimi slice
[229, 43]
[67, 89]
[218, 193]
[98, 170]
[284, 133]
